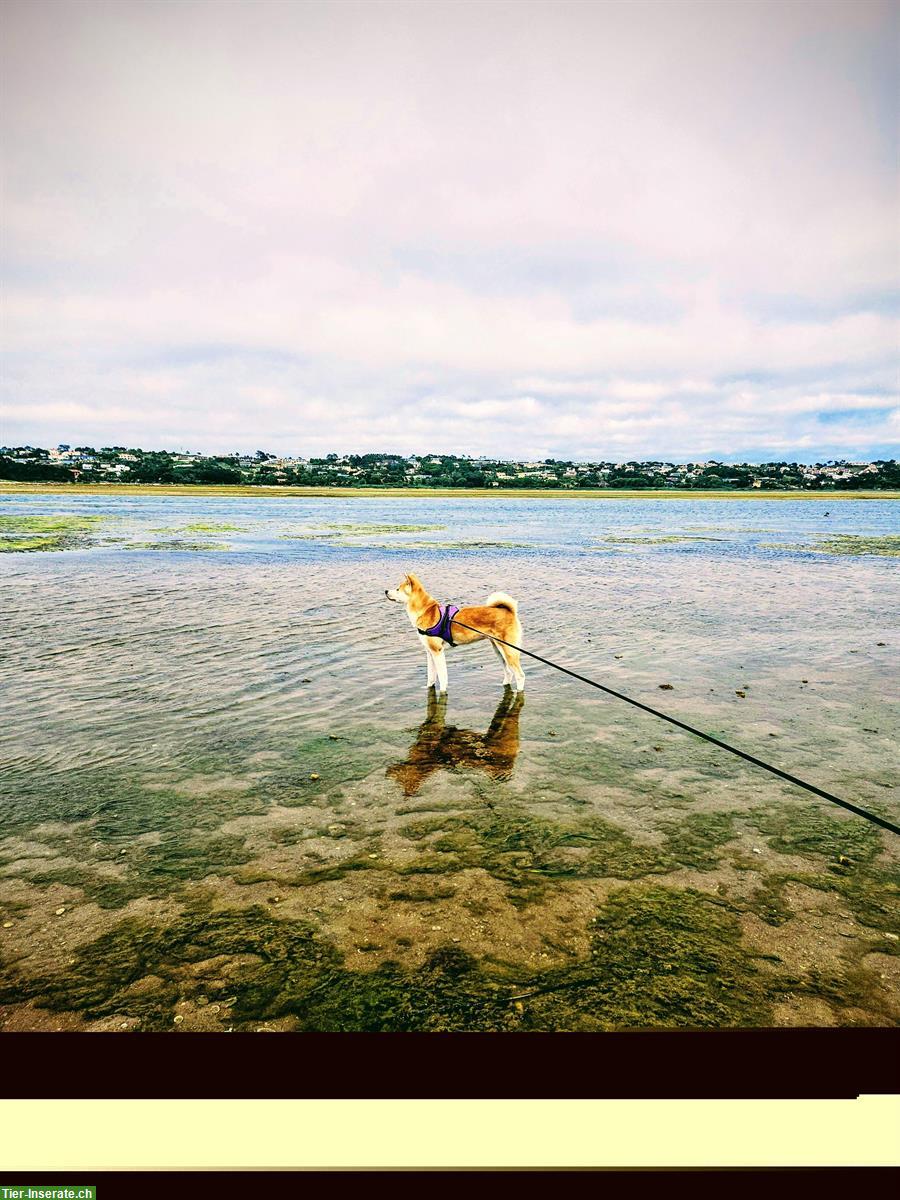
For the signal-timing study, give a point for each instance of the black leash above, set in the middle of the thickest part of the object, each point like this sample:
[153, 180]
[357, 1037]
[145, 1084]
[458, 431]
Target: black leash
[757, 762]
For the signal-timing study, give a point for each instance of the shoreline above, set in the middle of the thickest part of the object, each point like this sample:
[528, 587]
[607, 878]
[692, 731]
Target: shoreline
[11, 488]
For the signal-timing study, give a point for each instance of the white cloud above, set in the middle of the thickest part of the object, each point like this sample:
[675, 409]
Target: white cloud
[269, 222]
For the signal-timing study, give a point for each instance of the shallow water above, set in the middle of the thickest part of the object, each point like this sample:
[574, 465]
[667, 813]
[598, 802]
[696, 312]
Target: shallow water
[228, 803]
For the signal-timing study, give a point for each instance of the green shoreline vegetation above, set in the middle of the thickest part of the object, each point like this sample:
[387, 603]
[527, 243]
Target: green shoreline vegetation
[458, 473]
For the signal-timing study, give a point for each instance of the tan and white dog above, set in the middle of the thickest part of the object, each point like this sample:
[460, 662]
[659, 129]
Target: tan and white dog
[498, 616]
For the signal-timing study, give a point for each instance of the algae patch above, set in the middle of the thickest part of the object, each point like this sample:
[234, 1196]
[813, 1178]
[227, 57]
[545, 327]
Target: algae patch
[211, 527]
[181, 544]
[659, 958]
[251, 967]
[354, 530]
[886, 546]
[526, 851]
[22, 534]
[845, 853]
[664, 540]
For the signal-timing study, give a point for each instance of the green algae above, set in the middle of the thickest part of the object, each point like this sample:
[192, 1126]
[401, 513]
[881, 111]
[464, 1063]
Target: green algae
[460, 544]
[885, 546]
[196, 527]
[807, 830]
[53, 524]
[28, 534]
[664, 540]
[178, 544]
[159, 870]
[845, 851]
[526, 851]
[211, 527]
[122, 840]
[354, 530]
[697, 840]
[659, 958]
[277, 968]
[24, 545]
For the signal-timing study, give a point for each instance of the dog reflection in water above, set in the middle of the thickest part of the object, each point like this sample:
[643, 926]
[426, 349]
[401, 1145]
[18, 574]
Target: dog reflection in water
[440, 746]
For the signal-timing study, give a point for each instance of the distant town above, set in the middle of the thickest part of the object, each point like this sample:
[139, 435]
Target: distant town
[120, 464]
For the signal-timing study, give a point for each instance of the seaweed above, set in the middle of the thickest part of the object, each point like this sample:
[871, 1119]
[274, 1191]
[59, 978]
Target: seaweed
[697, 840]
[659, 958]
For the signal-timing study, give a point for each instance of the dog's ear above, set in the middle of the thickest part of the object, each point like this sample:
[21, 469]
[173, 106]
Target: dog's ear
[413, 580]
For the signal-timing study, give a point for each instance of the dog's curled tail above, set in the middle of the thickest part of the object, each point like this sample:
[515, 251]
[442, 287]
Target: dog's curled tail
[501, 600]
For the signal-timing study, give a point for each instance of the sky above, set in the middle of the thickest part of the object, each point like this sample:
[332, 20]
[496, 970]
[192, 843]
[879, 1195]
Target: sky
[592, 230]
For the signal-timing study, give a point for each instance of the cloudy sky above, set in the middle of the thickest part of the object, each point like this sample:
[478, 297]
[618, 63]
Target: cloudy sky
[580, 230]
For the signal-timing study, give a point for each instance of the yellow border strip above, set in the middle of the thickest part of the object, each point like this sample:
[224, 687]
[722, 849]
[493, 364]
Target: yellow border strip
[97, 1135]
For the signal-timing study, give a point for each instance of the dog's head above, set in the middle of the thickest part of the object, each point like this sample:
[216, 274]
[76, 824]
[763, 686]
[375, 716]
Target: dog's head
[405, 591]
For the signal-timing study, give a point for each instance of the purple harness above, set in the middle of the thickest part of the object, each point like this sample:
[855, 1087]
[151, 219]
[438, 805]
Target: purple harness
[441, 628]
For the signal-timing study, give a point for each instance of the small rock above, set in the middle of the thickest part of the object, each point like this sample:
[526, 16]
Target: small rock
[7, 924]
[314, 775]
[373, 856]
[60, 910]
[177, 1020]
[519, 1006]
[435, 927]
[666, 687]
[804, 681]
[756, 850]
[214, 1008]
[551, 733]
[333, 737]
[881, 643]
[741, 693]
[454, 939]
[893, 936]
[618, 656]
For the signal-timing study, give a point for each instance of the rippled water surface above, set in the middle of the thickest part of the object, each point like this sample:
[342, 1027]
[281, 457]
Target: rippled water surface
[228, 803]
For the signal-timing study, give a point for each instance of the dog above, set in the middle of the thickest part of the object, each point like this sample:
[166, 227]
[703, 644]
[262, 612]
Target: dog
[439, 746]
[434, 623]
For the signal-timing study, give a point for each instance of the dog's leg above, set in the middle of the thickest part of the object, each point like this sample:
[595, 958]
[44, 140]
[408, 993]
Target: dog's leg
[513, 662]
[440, 659]
[507, 674]
[429, 663]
